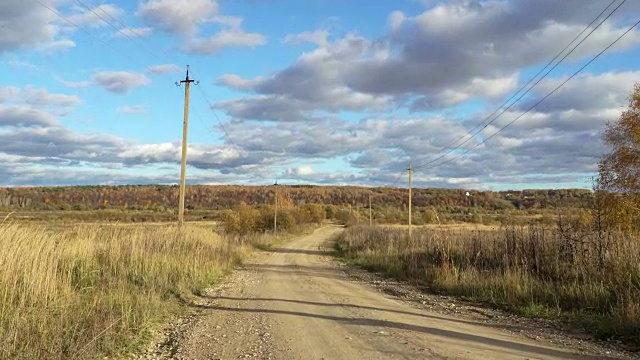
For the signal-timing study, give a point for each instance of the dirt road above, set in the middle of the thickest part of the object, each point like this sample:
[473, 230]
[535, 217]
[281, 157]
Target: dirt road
[294, 302]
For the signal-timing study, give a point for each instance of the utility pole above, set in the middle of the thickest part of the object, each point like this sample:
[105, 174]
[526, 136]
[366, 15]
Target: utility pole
[370, 217]
[410, 183]
[275, 215]
[185, 128]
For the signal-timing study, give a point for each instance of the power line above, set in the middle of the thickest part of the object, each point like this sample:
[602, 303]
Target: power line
[476, 130]
[541, 100]
[204, 95]
[398, 178]
[119, 30]
[471, 132]
[55, 12]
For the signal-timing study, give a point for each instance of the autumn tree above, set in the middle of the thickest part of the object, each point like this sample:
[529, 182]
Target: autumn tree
[619, 170]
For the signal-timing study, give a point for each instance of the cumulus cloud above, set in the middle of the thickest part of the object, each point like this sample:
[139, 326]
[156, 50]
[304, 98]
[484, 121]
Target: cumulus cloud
[28, 25]
[181, 17]
[238, 83]
[318, 37]
[94, 16]
[416, 60]
[41, 97]
[271, 108]
[300, 171]
[132, 110]
[24, 116]
[32, 136]
[357, 101]
[120, 82]
[73, 84]
[162, 69]
[560, 141]
[57, 45]
[8, 93]
[234, 37]
[186, 18]
[314, 82]
[133, 32]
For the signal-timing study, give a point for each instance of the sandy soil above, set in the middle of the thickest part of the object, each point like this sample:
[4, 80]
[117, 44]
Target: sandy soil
[297, 302]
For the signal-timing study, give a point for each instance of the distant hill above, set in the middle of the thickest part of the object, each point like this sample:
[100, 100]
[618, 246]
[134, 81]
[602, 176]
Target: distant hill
[164, 197]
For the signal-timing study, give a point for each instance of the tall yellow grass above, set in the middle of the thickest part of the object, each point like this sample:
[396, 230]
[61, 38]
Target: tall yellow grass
[590, 278]
[92, 291]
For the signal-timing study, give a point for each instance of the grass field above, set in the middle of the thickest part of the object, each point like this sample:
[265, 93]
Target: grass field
[589, 279]
[82, 292]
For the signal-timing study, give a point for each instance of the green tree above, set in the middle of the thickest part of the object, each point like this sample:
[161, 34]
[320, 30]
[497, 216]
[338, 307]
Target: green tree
[619, 170]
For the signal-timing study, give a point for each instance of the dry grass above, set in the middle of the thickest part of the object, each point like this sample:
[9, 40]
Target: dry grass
[90, 291]
[591, 279]
[454, 226]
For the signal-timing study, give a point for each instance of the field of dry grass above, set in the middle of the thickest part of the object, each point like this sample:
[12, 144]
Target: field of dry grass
[588, 278]
[87, 291]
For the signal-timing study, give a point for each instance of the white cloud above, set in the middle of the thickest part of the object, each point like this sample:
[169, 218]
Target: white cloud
[8, 93]
[181, 17]
[318, 37]
[28, 25]
[163, 69]
[132, 110]
[57, 45]
[95, 16]
[300, 171]
[236, 82]
[120, 82]
[396, 19]
[133, 32]
[224, 39]
[25, 116]
[73, 84]
[41, 97]
[23, 65]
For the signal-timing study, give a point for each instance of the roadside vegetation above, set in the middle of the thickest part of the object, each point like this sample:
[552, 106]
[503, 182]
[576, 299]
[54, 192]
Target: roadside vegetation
[581, 265]
[89, 291]
[82, 292]
[589, 278]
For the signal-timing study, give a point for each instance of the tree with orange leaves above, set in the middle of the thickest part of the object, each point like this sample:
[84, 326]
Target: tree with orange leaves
[619, 170]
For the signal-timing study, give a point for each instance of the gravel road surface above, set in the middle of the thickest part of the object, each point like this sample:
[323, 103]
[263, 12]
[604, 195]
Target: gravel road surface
[296, 302]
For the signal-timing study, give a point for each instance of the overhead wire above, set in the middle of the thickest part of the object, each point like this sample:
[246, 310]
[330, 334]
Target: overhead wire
[543, 99]
[222, 127]
[470, 135]
[476, 130]
[126, 56]
[97, 38]
[117, 29]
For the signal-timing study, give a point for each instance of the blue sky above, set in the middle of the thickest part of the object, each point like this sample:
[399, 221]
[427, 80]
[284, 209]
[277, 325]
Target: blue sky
[321, 92]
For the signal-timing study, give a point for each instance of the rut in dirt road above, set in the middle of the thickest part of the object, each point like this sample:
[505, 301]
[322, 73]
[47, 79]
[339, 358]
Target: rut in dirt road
[294, 302]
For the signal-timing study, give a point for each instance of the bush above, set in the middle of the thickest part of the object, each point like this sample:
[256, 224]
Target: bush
[245, 220]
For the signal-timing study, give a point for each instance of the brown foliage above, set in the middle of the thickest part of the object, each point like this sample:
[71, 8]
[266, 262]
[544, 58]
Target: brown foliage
[619, 170]
[163, 198]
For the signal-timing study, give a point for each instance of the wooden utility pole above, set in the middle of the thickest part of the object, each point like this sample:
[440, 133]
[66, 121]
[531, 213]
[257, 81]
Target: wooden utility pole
[185, 128]
[410, 184]
[370, 217]
[275, 214]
